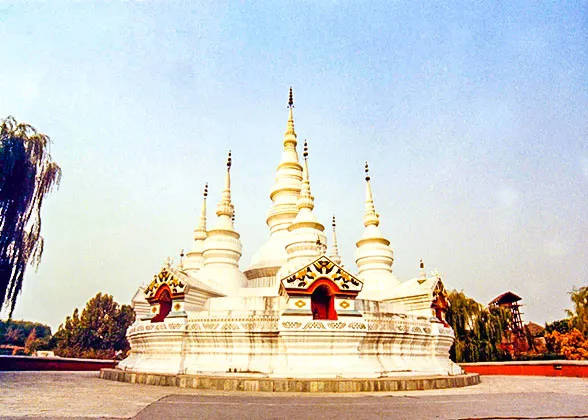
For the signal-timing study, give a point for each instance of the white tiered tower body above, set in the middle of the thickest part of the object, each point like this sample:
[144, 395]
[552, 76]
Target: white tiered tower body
[295, 312]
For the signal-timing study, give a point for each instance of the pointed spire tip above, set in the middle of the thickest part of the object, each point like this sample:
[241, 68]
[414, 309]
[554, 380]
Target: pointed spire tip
[229, 161]
[367, 172]
[291, 99]
[305, 153]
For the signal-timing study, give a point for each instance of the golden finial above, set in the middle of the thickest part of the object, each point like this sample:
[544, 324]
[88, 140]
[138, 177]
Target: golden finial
[305, 153]
[233, 216]
[367, 172]
[229, 161]
[333, 224]
[205, 190]
[422, 264]
[291, 99]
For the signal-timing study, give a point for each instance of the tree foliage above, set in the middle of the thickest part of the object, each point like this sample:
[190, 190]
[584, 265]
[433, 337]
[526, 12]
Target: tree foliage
[478, 330]
[27, 175]
[31, 335]
[562, 326]
[569, 337]
[572, 345]
[579, 315]
[98, 332]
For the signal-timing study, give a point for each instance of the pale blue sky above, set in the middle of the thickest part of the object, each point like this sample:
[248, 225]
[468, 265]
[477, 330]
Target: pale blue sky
[474, 119]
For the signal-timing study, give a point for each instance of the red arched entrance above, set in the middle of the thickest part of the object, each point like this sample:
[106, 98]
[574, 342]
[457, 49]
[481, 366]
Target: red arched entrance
[164, 299]
[322, 301]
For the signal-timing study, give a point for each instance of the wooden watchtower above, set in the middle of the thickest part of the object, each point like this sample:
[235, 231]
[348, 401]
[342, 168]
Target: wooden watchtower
[510, 301]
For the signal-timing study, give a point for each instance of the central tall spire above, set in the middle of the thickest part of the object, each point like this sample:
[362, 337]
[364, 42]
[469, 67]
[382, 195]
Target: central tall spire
[290, 128]
[284, 208]
[284, 194]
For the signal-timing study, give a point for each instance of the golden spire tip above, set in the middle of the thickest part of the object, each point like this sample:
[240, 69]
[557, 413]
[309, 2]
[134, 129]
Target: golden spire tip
[367, 172]
[229, 161]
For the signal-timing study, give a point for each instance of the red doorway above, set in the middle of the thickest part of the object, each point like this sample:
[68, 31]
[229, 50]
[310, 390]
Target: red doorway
[165, 303]
[322, 303]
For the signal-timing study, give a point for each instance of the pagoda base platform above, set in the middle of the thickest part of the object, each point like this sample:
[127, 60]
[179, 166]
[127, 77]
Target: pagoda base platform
[240, 382]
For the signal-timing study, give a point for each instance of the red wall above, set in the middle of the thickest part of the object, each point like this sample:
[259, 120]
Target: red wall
[12, 363]
[555, 368]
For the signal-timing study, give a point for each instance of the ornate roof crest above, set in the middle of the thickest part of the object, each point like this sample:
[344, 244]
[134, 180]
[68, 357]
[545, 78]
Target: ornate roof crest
[165, 277]
[322, 268]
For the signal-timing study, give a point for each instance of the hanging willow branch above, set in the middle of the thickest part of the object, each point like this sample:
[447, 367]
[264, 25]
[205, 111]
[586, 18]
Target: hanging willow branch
[478, 330]
[27, 175]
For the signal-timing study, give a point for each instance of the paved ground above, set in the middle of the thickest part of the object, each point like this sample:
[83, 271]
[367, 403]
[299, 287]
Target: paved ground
[84, 395]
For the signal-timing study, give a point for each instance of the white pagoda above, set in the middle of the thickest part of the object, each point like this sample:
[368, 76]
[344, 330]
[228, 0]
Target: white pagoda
[295, 312]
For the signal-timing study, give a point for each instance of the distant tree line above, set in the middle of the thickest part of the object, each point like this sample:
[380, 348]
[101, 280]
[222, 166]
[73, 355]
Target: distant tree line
[24, 337]
[99, 332]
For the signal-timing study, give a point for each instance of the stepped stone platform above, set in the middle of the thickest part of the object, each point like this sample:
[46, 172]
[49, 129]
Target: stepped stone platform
[249, 384]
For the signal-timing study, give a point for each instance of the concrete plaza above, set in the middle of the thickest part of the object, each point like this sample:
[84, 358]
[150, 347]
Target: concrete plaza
[84, 395]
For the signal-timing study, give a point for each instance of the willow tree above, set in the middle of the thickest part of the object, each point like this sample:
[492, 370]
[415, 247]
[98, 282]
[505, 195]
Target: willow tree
[478, 330]
[579, 316]
[27, 175]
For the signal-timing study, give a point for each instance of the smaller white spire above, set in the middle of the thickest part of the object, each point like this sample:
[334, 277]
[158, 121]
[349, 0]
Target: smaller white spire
[200, 231]
[225, 208]
[307, 240]
[422, 272]
[334, 254]
[181, 263]
[373, 256]
[370, 216]
[194, 258]
[305, 200]
[223, 248]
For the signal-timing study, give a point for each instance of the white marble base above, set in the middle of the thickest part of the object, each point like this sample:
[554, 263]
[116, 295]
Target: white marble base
[274, 345]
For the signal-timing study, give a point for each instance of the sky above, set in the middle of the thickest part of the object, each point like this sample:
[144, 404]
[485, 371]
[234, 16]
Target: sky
[473, 117]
